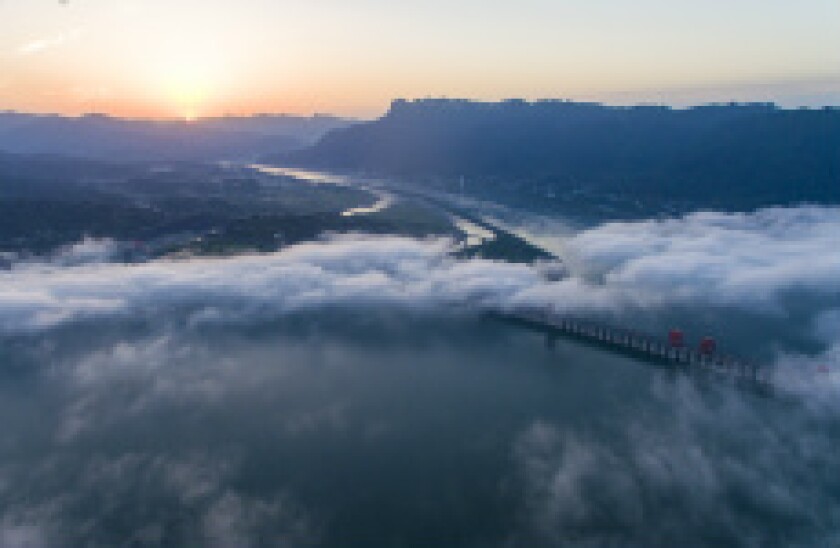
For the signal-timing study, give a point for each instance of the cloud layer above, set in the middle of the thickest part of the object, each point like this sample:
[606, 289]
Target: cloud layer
[191, 400]
[766, 263]
[743, 259]
[343, 270]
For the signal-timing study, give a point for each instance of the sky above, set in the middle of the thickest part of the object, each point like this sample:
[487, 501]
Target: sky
[193, 58]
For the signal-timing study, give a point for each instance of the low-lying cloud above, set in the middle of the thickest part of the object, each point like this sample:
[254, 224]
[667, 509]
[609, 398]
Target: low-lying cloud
[344, 270]
[753, 262]
[661, 462]
[742, 259]
[710, 473]
[767, 263]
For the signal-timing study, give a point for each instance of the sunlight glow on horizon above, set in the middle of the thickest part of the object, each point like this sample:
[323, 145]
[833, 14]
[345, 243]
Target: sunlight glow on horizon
[193, 58]
[188, 82]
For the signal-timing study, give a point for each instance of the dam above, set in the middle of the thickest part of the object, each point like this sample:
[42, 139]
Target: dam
[671, 351]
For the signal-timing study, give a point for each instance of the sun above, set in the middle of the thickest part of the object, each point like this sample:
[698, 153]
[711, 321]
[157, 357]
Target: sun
[188, 81]
[189, 97]
[188, 72]
[188, 90]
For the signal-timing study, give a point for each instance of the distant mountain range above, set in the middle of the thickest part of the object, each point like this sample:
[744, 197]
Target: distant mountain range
[531, 154]
[741, 154]
[102, 137]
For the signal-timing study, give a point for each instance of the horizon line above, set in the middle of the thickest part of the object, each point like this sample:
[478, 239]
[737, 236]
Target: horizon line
[417, 100]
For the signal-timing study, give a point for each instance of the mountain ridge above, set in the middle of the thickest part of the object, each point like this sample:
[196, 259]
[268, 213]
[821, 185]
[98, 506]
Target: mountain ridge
[104, 137]
[757, 152]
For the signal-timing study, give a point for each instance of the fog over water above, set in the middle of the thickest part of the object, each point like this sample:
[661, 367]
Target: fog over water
[350, 392]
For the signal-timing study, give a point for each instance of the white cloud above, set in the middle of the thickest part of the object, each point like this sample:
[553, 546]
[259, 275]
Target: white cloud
[340, 271]
[717, 258]
[750, 262]
[236, 521]
[685, 468]
[41, 45]
[14, 535]
[197, 483]
[576, 483]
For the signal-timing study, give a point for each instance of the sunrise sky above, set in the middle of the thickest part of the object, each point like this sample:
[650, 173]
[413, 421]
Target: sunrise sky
[192, 58]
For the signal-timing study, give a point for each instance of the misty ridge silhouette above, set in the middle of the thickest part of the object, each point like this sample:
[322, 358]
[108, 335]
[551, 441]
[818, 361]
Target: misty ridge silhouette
[102, 137]
[755, 152]
[727, 156]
